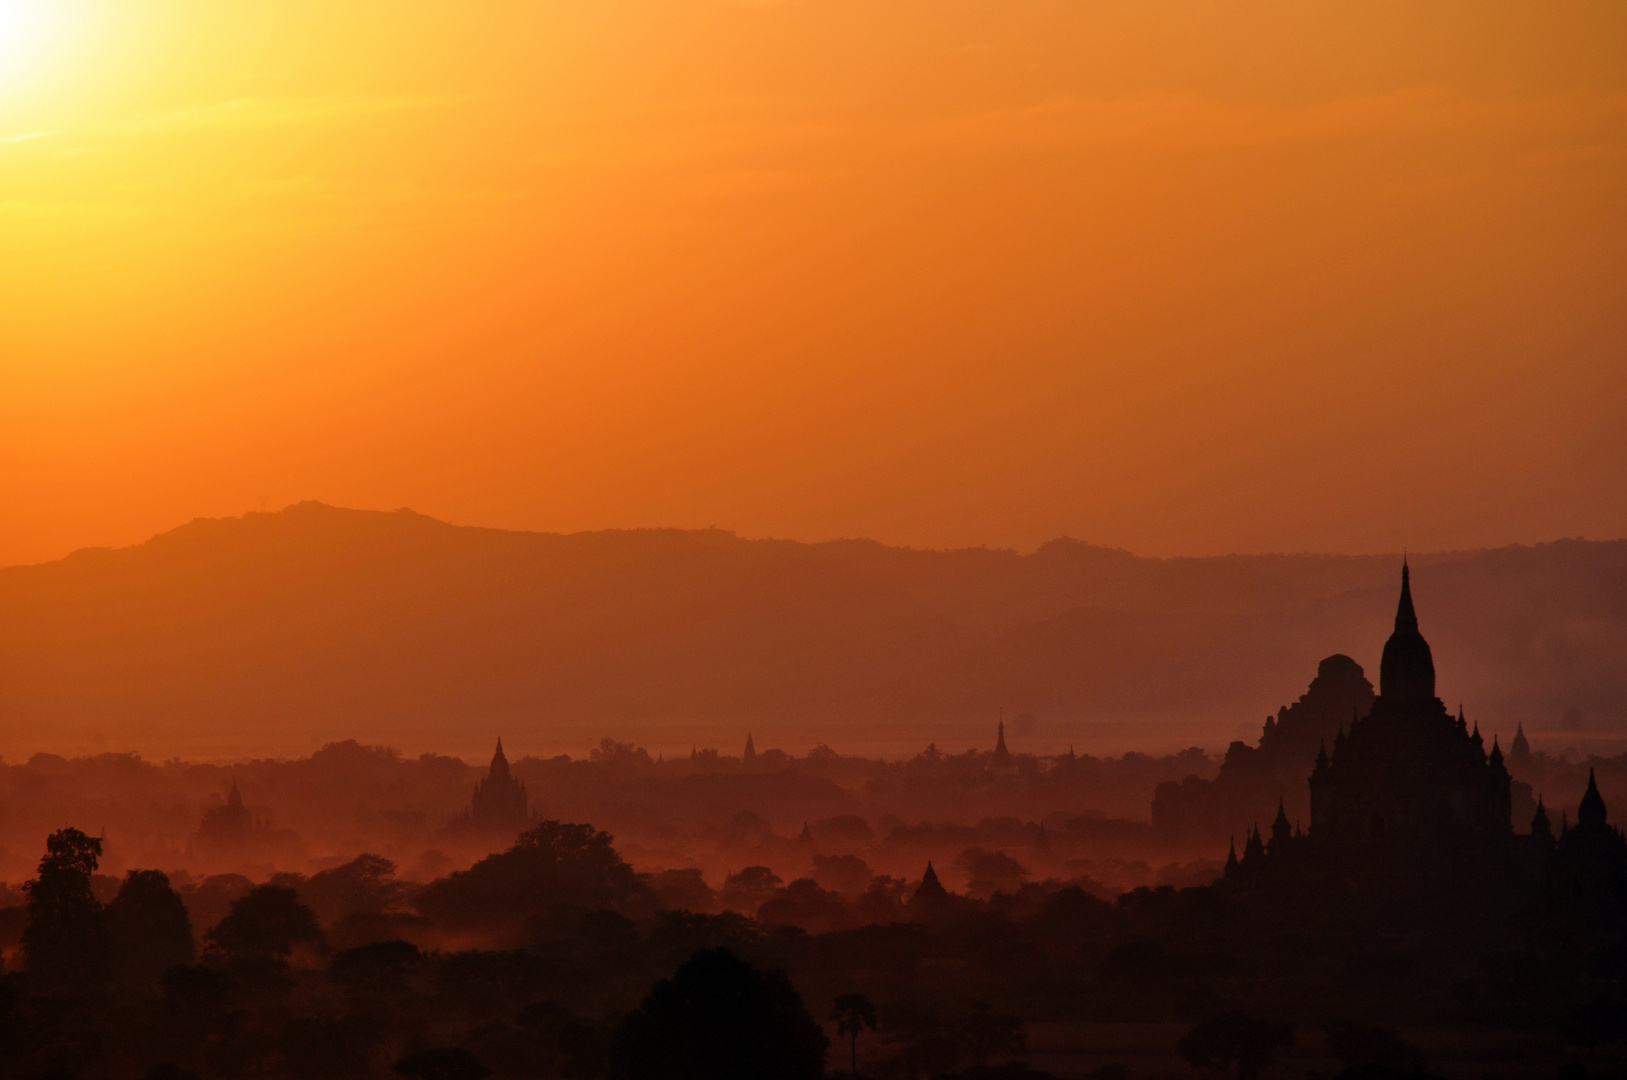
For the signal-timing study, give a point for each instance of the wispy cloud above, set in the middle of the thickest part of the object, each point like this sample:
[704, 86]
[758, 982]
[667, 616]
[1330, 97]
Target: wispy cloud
[243, 113]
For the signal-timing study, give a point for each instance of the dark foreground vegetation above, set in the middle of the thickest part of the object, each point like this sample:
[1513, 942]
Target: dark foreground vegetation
[554, 958]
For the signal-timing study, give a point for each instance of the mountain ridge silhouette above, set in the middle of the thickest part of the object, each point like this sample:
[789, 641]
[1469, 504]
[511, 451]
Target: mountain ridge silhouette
[317, 622]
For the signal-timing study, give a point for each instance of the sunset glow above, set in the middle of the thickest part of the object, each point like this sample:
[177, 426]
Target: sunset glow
[1177, 278]
[656, 539]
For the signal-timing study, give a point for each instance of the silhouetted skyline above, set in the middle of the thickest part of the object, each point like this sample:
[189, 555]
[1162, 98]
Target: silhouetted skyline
[631, 916]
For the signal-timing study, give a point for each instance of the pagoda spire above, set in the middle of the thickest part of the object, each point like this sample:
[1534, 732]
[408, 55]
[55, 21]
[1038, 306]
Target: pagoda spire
[1407, 667]
[1592, 811]
[1253, 846]
[930, 893]
[1519, 751]
[1405, 617]
[1002, 756]
[1540, 825]
[1281, 831]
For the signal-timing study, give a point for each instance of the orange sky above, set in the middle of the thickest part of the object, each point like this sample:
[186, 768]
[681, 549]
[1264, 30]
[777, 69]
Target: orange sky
[1183, 278]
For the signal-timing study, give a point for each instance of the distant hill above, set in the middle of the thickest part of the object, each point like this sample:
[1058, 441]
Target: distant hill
[272, 633]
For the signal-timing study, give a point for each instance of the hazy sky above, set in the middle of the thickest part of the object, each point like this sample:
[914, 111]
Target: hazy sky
[1183, 278]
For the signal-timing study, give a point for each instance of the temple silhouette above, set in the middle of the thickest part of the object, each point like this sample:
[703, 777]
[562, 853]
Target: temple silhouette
[1409, 771]
[499, 805]
[232, 832]
[1410, 812]
[1254, 779]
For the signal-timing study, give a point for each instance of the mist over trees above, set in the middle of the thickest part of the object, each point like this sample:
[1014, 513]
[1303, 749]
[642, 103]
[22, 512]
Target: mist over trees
[554, 957]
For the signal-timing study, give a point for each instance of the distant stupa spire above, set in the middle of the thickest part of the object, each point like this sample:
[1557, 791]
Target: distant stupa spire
[500, 802]
[930, 893]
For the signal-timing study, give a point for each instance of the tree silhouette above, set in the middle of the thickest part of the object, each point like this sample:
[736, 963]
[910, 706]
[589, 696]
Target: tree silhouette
[989, 872]
[853, 1013]
[366, 885]
[263, 927]
[749, 890]
[148, 928]
[1234, 1041]
[65, 943]
[719, 1018]
[551, 868]
[379, 979]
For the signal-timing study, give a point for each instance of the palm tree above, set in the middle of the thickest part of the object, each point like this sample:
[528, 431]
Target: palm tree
[853, 1013]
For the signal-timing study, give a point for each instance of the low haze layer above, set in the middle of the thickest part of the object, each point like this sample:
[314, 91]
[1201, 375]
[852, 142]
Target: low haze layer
[277, 633]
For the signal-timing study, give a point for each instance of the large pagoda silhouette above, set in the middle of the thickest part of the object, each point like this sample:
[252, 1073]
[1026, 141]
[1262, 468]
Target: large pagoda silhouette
[1410, 772]
[1411, 820]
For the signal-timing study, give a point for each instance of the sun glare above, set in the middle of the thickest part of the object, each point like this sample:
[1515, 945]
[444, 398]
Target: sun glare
[30, 32]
